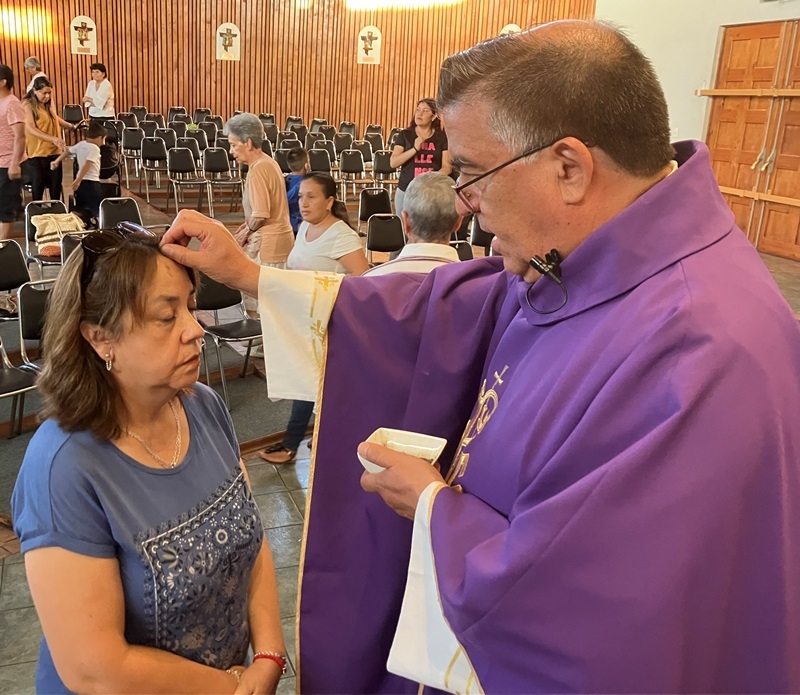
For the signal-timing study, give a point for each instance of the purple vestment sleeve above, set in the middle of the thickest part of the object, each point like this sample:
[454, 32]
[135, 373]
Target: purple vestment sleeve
[407, 352]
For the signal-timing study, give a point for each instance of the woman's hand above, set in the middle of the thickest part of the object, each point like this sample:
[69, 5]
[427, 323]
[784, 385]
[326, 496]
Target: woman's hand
[60, 144]
[260, 678]
[242, 234]
[418, 143]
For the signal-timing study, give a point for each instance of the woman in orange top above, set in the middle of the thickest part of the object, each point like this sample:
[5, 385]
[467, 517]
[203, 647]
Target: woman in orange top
[43, 139]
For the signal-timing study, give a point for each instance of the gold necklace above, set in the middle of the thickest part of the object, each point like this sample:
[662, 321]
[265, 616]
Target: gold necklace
[152, 453]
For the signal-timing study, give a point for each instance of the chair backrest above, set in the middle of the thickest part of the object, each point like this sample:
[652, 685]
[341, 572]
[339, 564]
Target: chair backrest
[373, 129]
[316, 123]
[328, 146]
[132, 139]
[342, 141]
[118, 126]
[351, 162]
[128, 119]
[293, 120]
[156, 118]
[393, 133]
[284, 135]
[168, 135]
[154, 150]
[139, 111]
[173, 111]
[213, 295]
[477, 237]
[112, 135]
[348, 127]
[374, 201]
[215, 161]
[13, 269]
[210, 129]
[281, 157]
[271, 133]
[463, 249]
[148, 128]
[181, 160]
[32, 306]
[182, 118]
[311, 138]
[216, 120]
[385, 233]
[191, 145]
[365, 148]
[381, 164]
[180, 128]
[299, 130]
[200, 136]
[70, 242]
[266, 119]
[72, 113]
[115, 210]
[266, 147]
[200, 114]
[375, 140]
[319, 160]
[40, 207]
[289, 144]
[328, 131]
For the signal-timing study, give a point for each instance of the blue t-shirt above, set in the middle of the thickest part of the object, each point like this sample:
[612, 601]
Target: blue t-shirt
[293, 194]
[186, 538]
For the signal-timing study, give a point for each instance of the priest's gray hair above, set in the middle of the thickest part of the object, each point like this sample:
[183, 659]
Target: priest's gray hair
[244, 127]
[430, 203]
[32, 63]
[568, 78]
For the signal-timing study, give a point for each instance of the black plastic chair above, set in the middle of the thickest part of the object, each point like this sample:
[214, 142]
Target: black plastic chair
[373, 201]
[14, 384]
[293, 120]
[384, 234]
[115, 210]
[271, 133]
[373, 129]
[180, 128]
[217, 169]
[328, 131]
[375, 141]
[393, 133]
[281, 157]
[168, 135]
[149, 128]
[173, 111]
[154, 160]
[319, 161]
[327, 145]
[157, 118]
[70, 242]
[366, 151]
[40, 207]
[32, 304]
[290, 144]
[351, 170]
[311, 138]
[300, 130]
[131, 151]
[183, 174]
[342, 142]
[349, 127]
[191, 145]
[210, 129]
[200, 115]
[214, 296]
[184, 118]
[139, 111]
[216, 120]
[382, 170]
[477, 237]
[72, 113]
[266, 148]
[266, 119]
[316, 123]
[13, 273]
[128, 119]
[200, 136]
[463, 249]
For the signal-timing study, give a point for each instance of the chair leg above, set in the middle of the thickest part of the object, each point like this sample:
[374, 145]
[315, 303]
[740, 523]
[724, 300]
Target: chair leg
[125, 166]
[222, 377]
[21, 412]
[146, 186]
[246, 359]
[210, 201]
[169, 190]
[13, 418]
[175, 188]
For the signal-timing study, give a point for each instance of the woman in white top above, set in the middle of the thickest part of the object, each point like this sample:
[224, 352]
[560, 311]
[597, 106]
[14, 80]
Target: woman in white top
[325, 241]
[99, 96]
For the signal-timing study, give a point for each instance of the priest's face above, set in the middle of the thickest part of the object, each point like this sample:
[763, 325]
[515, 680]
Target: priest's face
[519, 203]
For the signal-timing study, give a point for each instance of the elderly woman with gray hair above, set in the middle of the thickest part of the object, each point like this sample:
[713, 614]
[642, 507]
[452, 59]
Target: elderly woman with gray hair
[266, 233]
[33, 68]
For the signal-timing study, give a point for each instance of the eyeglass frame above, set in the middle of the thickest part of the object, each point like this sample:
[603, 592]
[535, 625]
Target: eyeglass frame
[109, 240]
[459, 188]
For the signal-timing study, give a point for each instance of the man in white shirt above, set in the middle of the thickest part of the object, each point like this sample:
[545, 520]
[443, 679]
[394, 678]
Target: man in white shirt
[430, 218]
[33, 68]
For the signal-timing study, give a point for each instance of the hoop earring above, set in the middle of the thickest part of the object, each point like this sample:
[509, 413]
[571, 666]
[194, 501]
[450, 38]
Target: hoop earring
[109, 363]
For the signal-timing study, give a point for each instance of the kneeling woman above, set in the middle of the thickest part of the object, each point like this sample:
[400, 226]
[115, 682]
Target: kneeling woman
[143, 546]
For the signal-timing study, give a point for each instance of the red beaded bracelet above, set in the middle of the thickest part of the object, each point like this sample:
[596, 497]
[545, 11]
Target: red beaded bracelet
[279, 659]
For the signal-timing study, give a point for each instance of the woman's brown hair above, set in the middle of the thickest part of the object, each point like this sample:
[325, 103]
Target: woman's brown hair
[78, 392]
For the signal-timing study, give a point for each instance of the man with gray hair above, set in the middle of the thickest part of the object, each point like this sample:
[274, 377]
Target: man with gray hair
[266, 233]
[33, 68]
[618, 505]
[430, 218]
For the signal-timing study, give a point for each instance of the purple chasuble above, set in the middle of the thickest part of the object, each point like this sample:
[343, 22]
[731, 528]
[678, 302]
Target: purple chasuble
[630, 513]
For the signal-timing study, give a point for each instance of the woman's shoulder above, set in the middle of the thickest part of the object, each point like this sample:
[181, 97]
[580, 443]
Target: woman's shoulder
[54, 449]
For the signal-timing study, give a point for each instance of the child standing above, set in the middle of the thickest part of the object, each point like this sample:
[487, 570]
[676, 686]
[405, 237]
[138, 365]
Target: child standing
[86, 186]
[297, 158]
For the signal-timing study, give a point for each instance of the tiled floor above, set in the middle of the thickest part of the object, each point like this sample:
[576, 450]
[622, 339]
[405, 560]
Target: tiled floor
[280, 492]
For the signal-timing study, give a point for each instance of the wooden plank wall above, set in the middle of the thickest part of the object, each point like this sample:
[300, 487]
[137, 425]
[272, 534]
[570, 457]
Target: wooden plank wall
[298, 56]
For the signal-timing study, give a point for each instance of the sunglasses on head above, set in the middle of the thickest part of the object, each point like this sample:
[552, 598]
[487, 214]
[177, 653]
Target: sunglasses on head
[96, 244]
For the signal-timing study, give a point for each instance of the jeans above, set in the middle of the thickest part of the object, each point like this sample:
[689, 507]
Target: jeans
[88, 197]
[298, 423]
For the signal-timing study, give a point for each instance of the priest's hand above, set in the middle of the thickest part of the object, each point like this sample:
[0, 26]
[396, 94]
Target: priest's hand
[403, 481]
[219, 256]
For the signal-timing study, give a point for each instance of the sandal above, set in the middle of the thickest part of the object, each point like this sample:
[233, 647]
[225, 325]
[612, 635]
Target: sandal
[277, 453]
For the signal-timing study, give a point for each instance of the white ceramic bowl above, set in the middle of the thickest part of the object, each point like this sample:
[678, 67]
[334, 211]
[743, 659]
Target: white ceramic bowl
[423, 446]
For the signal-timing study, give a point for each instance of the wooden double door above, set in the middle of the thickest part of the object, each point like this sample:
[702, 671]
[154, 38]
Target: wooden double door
[754, 132]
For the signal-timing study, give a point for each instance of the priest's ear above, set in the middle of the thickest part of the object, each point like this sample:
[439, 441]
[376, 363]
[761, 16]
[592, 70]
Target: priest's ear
[575, 167]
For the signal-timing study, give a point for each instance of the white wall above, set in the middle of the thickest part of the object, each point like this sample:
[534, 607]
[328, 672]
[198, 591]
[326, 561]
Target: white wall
[680, 37]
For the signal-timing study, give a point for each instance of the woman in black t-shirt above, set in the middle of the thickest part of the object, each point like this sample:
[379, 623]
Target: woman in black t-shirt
[421, 147]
